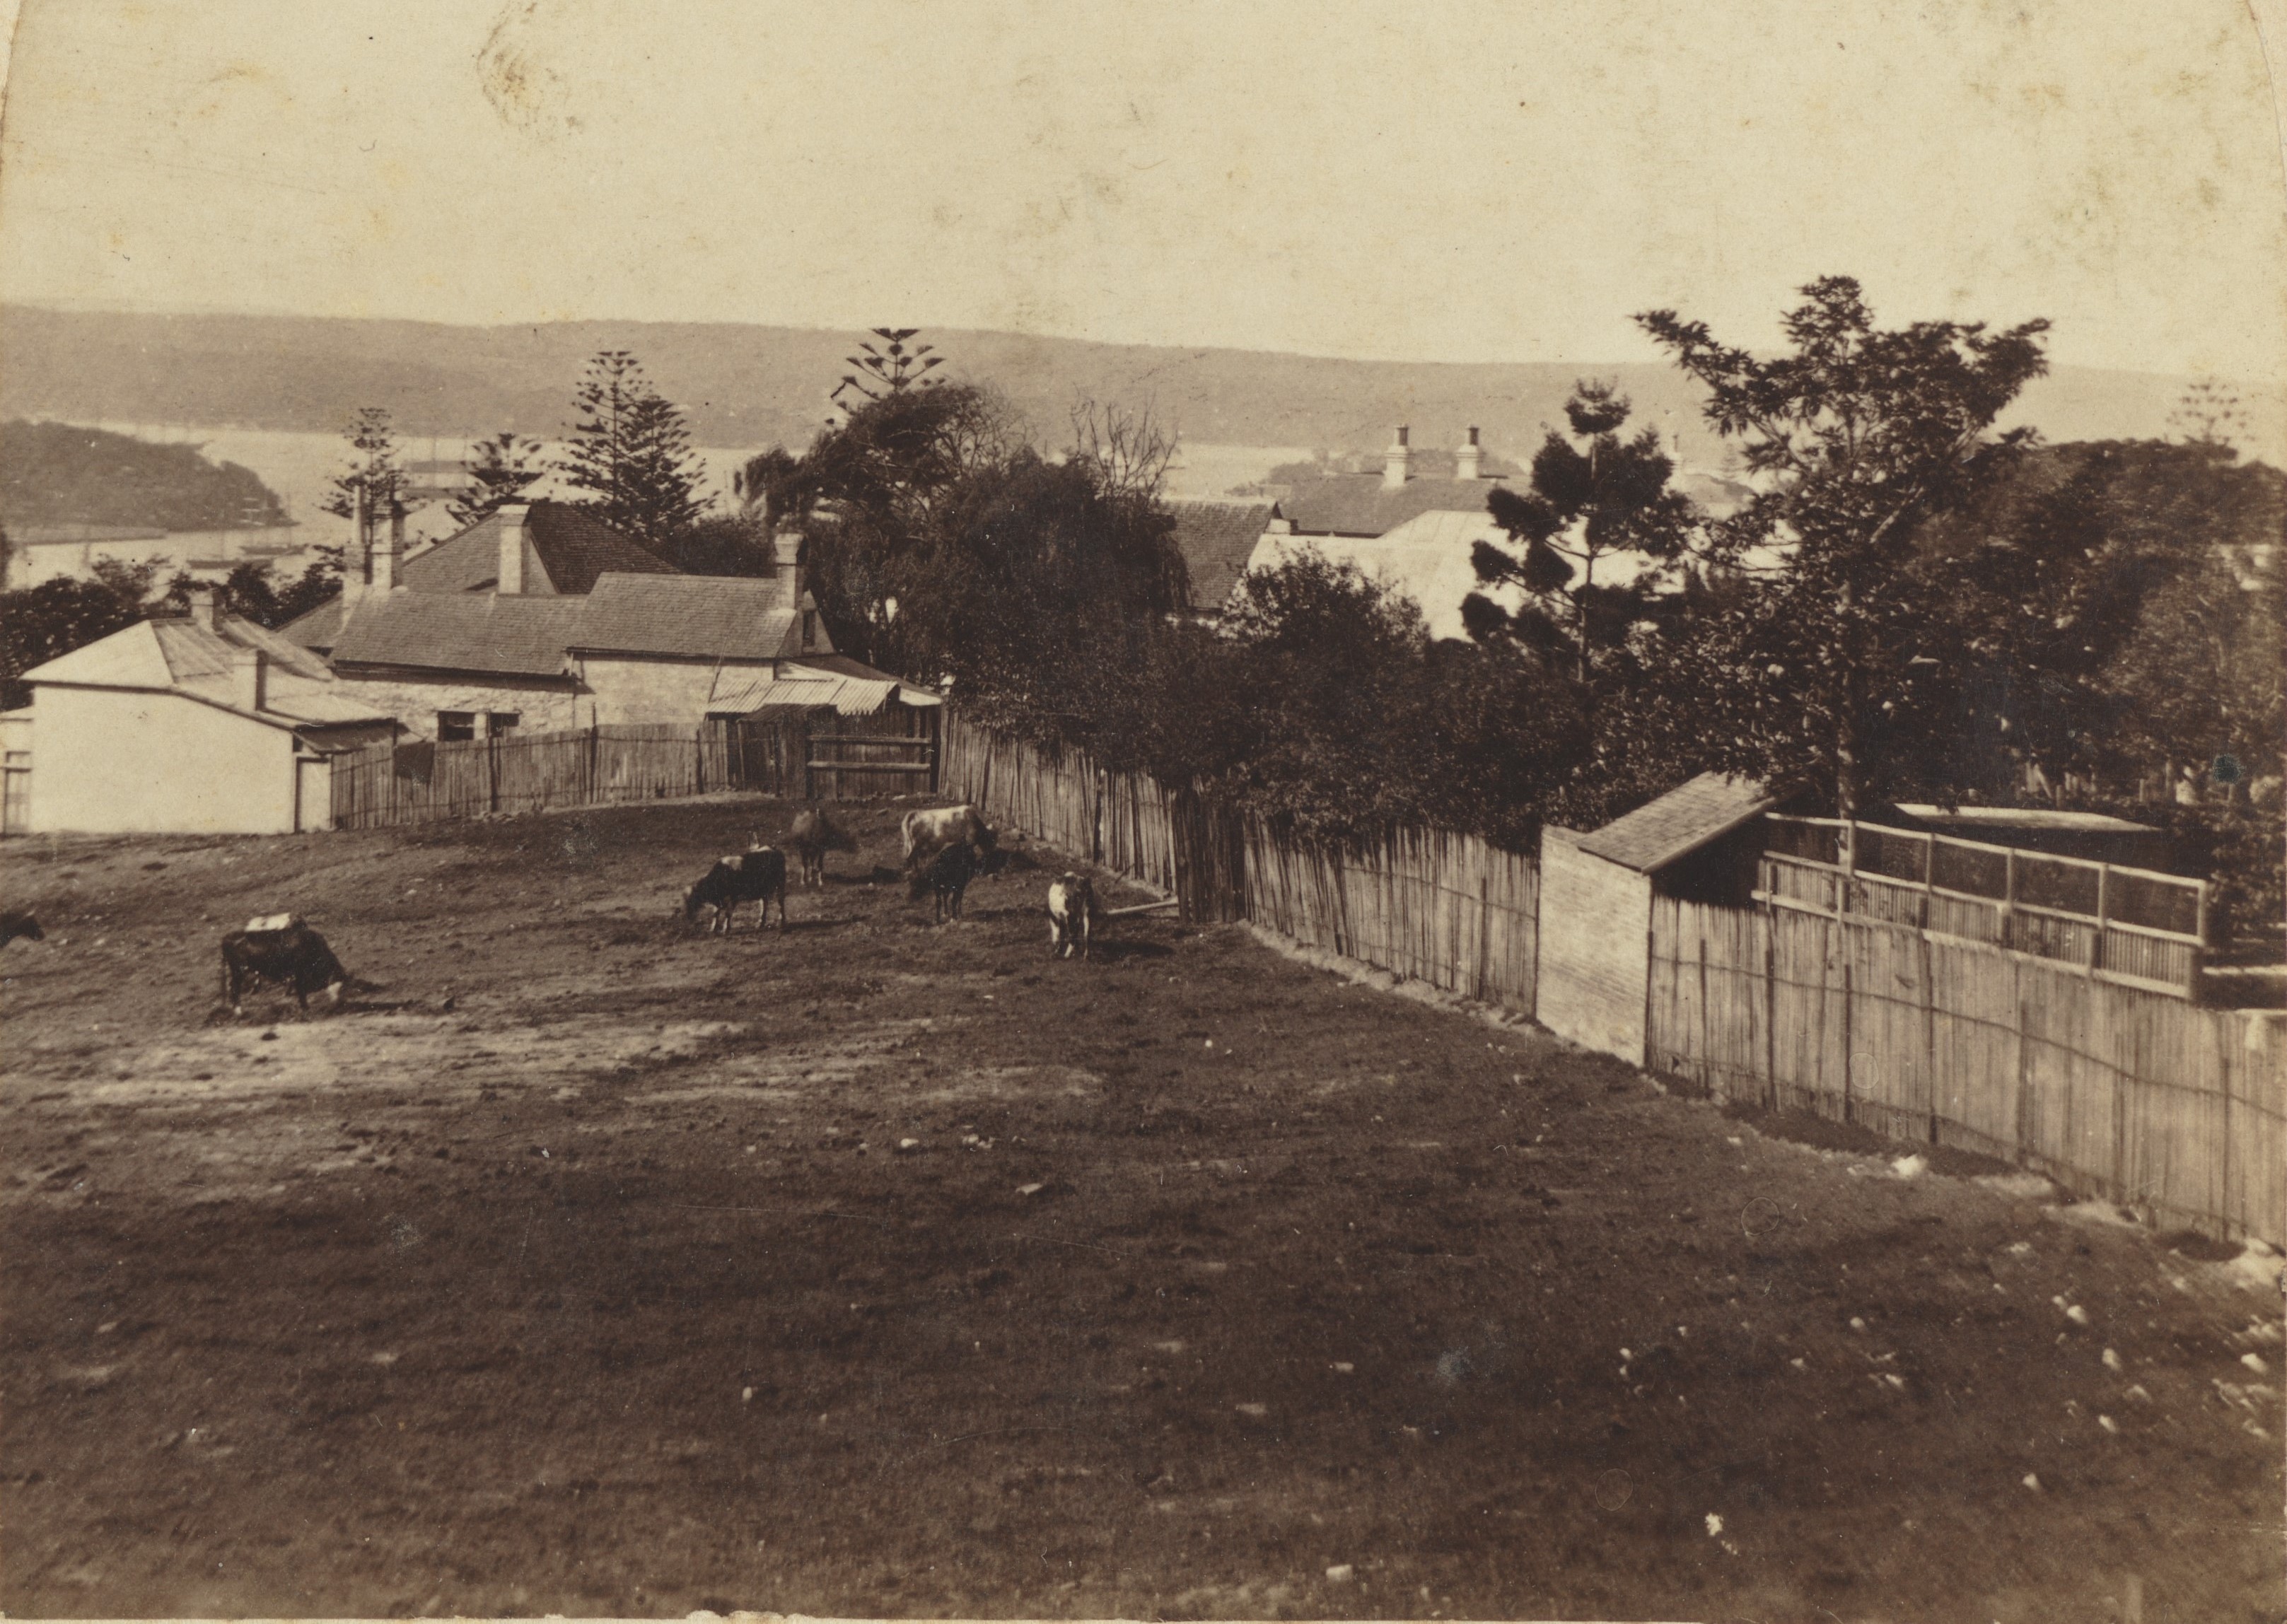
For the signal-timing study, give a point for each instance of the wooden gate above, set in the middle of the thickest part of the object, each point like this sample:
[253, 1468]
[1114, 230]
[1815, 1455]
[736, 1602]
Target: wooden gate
[892, 753]
[16, 793]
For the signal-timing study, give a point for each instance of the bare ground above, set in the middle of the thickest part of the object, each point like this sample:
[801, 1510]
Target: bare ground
[585, 1268]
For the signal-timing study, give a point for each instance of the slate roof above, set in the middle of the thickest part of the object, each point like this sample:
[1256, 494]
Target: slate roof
[316, 628]
[565, 551]
[180, 656]
[1679, 822]
[523, 636]
[1359, 505]
[711, 616]
[1216, 539]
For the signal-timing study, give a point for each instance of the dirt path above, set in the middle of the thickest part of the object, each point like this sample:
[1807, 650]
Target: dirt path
[593, 1266]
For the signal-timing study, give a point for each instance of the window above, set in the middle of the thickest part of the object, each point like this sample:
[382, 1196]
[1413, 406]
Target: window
[500, 722]
[453, 727]
[809, 629]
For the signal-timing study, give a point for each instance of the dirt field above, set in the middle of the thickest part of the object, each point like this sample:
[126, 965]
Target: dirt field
[597, 1266]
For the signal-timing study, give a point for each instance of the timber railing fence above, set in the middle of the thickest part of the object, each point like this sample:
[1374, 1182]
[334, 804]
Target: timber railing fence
[2029, 1047]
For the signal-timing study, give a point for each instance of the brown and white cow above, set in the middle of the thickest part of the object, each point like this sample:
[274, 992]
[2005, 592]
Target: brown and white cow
[1072, 910]
[925, 833]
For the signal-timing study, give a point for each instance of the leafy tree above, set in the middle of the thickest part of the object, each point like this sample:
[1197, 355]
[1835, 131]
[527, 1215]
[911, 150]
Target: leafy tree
[723, 544]
[891, 370]
[251, 593]
[43, 622]
[1585, 503]
[630, 450]
[505, 466]
[1837, 667]
[374, 470]
[760, 482]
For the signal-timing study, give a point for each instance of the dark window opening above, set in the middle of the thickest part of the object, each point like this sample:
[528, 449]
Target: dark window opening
[453, 726]
[500, 722]
[809, 629]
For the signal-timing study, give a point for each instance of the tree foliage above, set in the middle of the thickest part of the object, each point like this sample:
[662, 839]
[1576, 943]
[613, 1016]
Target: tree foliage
[504, 467]
[44, 622]
[1606, 495]
[373, 468]
[630, 450]
[1837, 666]
[63, 474]
[891, 369]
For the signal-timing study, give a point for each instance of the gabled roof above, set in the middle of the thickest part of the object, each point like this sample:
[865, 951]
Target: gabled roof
[522, 636]
[1679, 822]
[1360, 504]
[709, 616]
[319, 627]
[180, 656]
[1216, 539]
[565, 550]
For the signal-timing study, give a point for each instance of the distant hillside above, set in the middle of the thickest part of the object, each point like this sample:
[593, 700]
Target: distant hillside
[54, 473]
[756, 386]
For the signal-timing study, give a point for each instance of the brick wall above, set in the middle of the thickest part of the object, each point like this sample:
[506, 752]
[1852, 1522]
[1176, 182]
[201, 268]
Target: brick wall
[1595, 948]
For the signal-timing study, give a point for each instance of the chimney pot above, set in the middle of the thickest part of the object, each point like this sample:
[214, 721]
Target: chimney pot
[1468, 462]
[203, 611]
[1397, 463]
[249, 678]
[510, 576]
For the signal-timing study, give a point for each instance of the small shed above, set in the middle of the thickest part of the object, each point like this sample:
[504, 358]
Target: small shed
[1595, 901]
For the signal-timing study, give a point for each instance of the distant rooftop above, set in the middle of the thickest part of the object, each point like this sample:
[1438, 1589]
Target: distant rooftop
[1362, 505]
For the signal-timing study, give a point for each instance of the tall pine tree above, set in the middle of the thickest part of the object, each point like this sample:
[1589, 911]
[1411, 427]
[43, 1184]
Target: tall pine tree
[630, 450]
[503, 467]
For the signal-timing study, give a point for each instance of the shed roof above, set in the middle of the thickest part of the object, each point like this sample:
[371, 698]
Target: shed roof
[1361, 505]
[1679, 822]
[2021, 818]
[835, 680]
[565, 550]
[712, 617]
[1216, 539]
[524, 636]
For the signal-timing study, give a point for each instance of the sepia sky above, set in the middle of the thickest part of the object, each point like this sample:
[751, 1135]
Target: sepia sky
[1420, 181]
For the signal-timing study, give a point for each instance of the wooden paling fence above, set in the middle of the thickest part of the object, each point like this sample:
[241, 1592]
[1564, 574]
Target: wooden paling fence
[422, 783]
[2114, 1091]
[1441, 907]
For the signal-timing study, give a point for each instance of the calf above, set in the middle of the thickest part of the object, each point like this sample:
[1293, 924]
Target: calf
[14, 925]
[924, 833]
[945, 877]
[281, 950]
[813, 836]
[753, 876]
[1071, 909]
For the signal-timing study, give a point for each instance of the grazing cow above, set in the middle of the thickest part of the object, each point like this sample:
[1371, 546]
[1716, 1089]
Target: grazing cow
[813, 836]
[753, 876]
[925, 833]
[1072, 910]
[945, 877]
[14, 925]
[281, 950]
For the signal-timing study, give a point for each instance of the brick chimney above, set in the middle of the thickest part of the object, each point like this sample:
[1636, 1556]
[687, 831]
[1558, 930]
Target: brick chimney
[785, 562]
[1469, 461]
[513, 519]
[1397, 463]
[249, 678]
[385, 562]
[204, 613]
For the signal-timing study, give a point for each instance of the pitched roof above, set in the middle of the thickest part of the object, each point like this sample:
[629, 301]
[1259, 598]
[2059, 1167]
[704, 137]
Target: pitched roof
[1679, 822]
[565, 550]
[1360, 504]
[319, 627]
[1216, 539]
[180, 656]
[525, 636]
[712, 617]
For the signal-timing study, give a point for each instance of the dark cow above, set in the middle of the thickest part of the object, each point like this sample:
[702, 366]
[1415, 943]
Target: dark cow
[813, 836]
[945, 877]
[14, 925]
[753, 876]
[283, 950]
[1072, 910]
[925, 833]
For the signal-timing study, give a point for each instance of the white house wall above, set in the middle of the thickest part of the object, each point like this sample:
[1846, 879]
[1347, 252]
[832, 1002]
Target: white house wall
[112, 761]
[657, 689]
[542, 704]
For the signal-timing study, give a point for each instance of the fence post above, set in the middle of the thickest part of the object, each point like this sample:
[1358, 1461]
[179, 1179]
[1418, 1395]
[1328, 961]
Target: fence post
[1929, 878]
[1485, 930]
[2103, 916]
[2009, 898]
[492, 771]
[1771, 1008]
